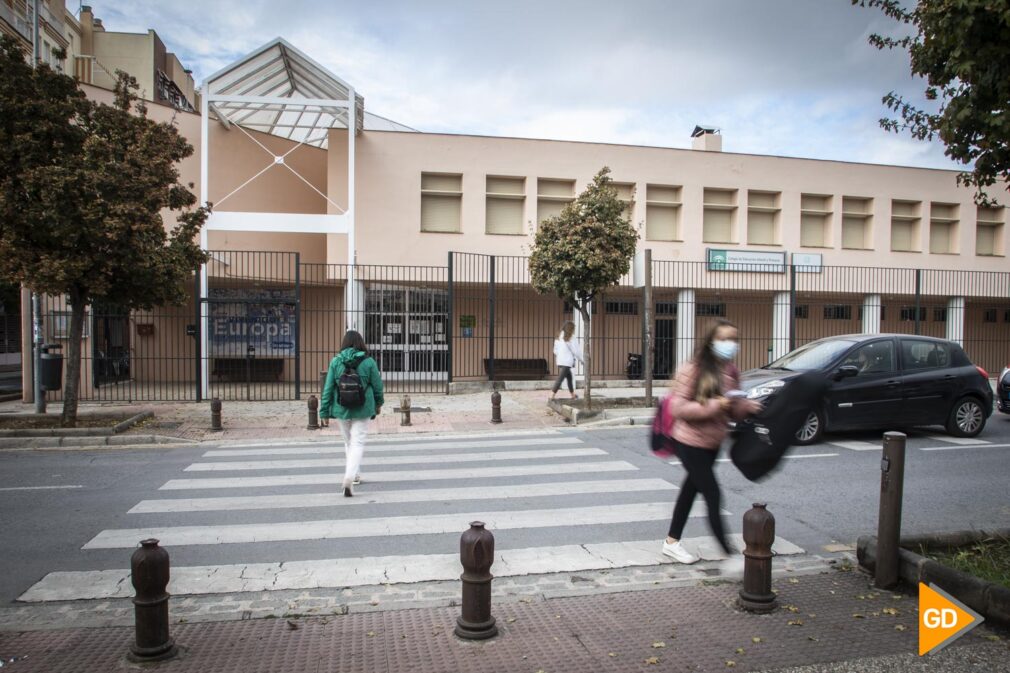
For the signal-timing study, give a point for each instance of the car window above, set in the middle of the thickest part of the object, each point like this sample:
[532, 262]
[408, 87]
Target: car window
[917, 354]
[873, 358]
[812, 356]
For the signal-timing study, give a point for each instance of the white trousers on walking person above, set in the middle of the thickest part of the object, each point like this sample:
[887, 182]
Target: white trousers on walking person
[354, 431]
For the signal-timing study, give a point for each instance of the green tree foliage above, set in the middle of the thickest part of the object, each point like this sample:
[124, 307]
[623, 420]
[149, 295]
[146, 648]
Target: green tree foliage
[962, 49]
[584, 250]
[82, 191]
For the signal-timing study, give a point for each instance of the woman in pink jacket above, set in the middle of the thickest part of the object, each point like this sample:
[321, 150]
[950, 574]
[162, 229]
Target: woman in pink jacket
[703, 399]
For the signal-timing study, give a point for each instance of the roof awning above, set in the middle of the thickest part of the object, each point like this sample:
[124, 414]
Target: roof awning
[279, 90]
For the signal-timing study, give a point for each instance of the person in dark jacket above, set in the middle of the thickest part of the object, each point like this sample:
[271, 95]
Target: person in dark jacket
[353, 421]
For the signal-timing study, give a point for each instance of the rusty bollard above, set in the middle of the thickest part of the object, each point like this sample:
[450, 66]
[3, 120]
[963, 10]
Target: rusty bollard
[405, 410]
[313, 413]
[215, 415]
[149, 573]
[496, 407]
[758, 535]
[476, 553]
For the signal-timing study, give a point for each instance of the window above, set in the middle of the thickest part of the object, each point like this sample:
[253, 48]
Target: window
[1006, 315]
[918, 354]
[939, 314]
[662, 213]
[989, 315]
[626, 195]
[857, 220]
[552, 195]
[989, 231]
[441, 202]
[506, 198]
[710, 310]
[621, 307]
[763, 217]
[908, 314]
[815, 221]
[666, 308]
[905, 226]
[719, 210]
[801, 312]
[873, 358]
[838, 312]
[943, 220]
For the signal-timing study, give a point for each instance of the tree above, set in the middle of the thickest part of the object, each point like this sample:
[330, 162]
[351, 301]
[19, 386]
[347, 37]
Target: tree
[581, 252]
[962, 49]
[82, 189]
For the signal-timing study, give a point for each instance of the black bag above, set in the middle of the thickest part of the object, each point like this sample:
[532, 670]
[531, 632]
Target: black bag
[350, 388]
[762, 441]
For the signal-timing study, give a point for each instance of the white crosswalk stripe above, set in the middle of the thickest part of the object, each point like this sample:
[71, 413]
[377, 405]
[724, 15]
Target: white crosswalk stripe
[962, 441]
[858, 446]
[443, 484]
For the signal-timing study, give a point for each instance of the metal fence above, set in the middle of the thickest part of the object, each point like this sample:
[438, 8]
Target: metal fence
[273, 323]
[10, 333]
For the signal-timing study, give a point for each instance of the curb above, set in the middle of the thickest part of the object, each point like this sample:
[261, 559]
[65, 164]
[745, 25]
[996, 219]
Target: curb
[989, 599]
[85, 443]
[122, 426]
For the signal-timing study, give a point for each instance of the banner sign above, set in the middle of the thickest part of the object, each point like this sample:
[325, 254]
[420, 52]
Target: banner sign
[244, 318]
[807, 262]
[746, 260]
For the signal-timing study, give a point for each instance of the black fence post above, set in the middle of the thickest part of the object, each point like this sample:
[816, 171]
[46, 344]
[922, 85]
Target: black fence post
[449, 325]
[198, 302]
[792, 306]
[490, 332]
[918, 299]
[298, 326]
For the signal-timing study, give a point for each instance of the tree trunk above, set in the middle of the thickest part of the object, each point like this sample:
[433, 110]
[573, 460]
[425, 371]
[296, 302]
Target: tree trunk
[72, 384]
[586, 353]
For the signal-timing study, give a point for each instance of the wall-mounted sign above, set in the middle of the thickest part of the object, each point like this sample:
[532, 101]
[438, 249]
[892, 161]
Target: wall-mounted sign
[747, 261]
[468, 321]
[467, 332]
[244, 318]
[145, 329]
[807, 262]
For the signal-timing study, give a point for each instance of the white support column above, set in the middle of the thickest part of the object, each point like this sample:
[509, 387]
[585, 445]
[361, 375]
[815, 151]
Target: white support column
[955, 320]
[204, 239]
[354, 293]
[685, 326]
[871, 314]
[354, 301]
[782, 311]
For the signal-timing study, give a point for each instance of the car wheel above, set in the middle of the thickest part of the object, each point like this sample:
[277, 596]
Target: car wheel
[811, 430]
[967, 418]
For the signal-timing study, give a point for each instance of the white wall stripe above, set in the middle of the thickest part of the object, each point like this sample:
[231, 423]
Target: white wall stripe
[393, 460]
[365, 497]
[372, 570]
[407, 475]
[432, 524]
[338, 447]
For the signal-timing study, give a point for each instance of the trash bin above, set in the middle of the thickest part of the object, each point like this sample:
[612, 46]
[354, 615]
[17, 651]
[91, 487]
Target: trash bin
[51, 367]
[634, 367]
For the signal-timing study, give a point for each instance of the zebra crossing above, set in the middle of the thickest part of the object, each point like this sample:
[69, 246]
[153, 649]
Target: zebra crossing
[949, 442]
[540, 495]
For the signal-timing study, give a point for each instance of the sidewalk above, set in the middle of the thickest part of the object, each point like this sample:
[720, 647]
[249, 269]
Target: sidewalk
[823, 620]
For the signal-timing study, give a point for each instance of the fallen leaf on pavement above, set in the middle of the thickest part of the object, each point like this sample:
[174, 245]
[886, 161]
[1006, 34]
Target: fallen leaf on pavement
[899, 627]
[793, 580]
[755, 639]
[730, 663]
[658, 644]
[611, 654]
[652, 661]
[812, 639]
[739, 650]
[856, 615]
[993, 637]
[795, 622]
[370, 634]
[510, 620]
[790, 608]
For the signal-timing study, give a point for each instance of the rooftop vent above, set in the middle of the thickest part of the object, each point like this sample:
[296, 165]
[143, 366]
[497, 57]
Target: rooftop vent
[706, 138]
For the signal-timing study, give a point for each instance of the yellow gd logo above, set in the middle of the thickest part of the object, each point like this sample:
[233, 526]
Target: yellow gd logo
[942, 619]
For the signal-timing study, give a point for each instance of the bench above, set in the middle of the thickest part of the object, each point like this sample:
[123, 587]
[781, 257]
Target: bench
[252, 369]
[517, 369]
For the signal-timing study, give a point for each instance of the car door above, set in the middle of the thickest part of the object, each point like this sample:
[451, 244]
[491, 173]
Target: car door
[873, 397]
[929, 382]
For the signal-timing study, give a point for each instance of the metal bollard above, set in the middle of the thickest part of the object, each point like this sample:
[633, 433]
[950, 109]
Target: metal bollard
[758, 535]
[496, 407]
[892, 478]
[405, 410]
[215, 415]
[149, 573]
[313, 413]
[476, 553]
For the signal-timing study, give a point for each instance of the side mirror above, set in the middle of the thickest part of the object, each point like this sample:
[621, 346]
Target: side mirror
[846, 371]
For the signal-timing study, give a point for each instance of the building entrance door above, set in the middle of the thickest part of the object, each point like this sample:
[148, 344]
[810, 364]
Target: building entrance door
[406, 331]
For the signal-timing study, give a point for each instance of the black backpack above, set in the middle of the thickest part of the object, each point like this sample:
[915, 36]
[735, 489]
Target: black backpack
[350, 387]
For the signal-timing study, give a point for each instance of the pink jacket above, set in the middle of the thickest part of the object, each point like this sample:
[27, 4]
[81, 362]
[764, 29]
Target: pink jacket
[703, 425]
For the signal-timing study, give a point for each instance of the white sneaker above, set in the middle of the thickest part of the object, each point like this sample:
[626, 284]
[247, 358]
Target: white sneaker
[732, 568]
[357, 479]
[678, 553]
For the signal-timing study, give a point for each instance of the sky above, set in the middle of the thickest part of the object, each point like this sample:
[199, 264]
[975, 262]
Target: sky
[781, 77]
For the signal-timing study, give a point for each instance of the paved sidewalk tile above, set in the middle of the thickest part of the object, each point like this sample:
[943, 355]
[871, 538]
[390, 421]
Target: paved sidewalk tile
[831, 617]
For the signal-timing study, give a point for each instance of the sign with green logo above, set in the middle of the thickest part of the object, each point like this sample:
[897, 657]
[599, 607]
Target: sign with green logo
[746, 260]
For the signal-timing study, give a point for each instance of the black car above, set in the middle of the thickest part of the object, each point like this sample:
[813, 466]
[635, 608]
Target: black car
[1003, 390]
[884, 382]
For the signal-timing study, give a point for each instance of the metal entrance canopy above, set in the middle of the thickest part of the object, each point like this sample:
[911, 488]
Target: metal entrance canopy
[277, 89]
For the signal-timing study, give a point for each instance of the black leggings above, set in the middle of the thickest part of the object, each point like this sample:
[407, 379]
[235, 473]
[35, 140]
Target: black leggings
[699, 479]
[564, 374]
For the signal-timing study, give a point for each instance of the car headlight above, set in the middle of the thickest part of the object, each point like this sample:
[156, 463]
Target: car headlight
[765, 389]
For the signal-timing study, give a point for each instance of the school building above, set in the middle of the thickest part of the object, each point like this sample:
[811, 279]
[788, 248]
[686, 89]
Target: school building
[419, 240]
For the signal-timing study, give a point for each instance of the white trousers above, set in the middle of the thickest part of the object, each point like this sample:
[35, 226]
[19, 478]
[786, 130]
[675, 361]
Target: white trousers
[354, 431]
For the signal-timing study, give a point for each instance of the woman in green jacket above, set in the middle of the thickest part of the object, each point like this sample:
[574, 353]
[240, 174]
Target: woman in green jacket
[353, 401]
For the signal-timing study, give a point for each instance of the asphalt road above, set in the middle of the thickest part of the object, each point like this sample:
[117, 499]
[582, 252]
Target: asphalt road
[53, 503]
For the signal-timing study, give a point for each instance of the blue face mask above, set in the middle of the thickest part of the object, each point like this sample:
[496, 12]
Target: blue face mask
[725, 350]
